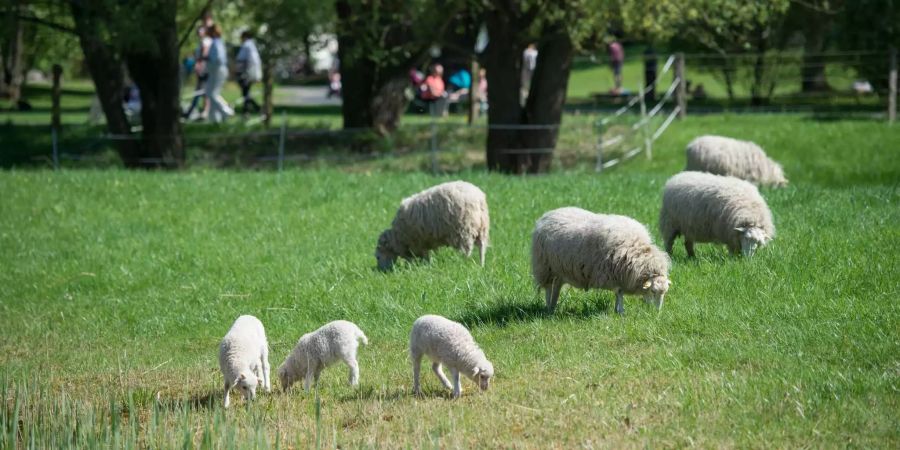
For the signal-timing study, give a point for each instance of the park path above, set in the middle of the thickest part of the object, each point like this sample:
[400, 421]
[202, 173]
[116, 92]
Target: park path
[305, 96]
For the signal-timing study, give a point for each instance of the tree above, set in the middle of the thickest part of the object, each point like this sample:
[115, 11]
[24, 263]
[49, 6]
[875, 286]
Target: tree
[521, 138]
[110, 39]
[11, 51]
[874, 26]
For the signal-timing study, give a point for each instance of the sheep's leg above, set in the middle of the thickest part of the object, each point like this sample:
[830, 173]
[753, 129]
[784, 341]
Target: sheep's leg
[264, 362]
[670, 241]
[689, 246]
[553, 294]
[354, 371]
[308, 379]
[482, 249]
[620, 302]
[457, 388]
[417, 366]
[436, 367]
[227, 392]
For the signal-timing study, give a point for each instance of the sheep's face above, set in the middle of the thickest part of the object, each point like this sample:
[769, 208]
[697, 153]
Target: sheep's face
[246, 383]
[383, 252]
[285, 380]
[752, 238]
[654, 290]
[780, 181]
[483, 375]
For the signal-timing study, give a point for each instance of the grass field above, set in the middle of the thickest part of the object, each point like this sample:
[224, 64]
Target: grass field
[117, 287]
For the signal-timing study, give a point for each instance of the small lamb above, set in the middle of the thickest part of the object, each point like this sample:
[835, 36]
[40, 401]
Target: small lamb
[710, 208]
[448, 343]
[453, 214]
[732, 157]
[244, 357]
[334, 341]
[599, 251]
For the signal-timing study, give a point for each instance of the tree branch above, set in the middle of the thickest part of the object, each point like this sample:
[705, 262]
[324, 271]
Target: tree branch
[46, 23]
[190, 27]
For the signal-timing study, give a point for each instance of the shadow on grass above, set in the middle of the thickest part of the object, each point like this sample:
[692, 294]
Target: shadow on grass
[370, 393]
[198, 401]
[508, 311]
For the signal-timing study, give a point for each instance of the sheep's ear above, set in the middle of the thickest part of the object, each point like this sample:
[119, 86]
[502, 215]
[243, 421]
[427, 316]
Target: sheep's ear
[476, 372]
[242, 377]
[740, 229]
[647, 285]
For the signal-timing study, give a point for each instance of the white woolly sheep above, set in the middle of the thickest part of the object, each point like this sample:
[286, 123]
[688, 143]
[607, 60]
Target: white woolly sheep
[451, 214]
[711, 208]
[731, 157]
[244, 357]
[334, 341]
[601, 251]
[448, 343]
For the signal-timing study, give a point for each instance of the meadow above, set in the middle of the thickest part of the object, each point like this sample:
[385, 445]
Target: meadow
[117, 287]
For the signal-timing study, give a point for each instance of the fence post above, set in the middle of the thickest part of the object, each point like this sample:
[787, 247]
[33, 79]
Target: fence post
[892, 88]
[433, 140]
[646, 123]
[55, 120]
[599, 127]
[681, 90]
[474, 101]
[281, 141]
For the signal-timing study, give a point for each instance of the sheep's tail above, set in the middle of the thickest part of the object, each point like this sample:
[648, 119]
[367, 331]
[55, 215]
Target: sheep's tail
[362, 338]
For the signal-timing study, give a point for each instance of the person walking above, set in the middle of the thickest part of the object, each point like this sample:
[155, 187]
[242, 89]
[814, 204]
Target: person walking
[200, 56]
[249, 67]
[616, 60]
[217, 69]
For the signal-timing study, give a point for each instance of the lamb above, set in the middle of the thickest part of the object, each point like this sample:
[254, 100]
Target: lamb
[741, 159]
[334, 341]
[451, 214]
[244, 357]
[712, 208]
[448, 343]
[601, 251]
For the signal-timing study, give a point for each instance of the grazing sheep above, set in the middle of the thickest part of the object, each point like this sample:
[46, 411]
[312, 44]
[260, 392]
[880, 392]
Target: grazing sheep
[334, 341]
[451, 214]
[741, 159]
[448, 343]
[601, 251]
[712, 208]
[244, 357]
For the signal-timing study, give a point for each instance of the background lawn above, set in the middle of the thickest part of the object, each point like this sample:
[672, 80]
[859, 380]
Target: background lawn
[117, 287]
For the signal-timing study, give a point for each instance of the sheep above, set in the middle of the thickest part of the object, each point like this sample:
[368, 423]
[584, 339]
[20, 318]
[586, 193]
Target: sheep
[602, 251]
[451, 214]
[448, 343]
[244, 358]
[334, 341]
[741, 159]
[711, 208]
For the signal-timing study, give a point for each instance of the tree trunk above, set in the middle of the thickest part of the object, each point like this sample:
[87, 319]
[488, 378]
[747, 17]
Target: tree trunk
[813, 71]
[156, 73]
[503, 66]
[268, 88]
[11, 53]
[546, 100]
[372, 93]
[307, 48]
[105, 66]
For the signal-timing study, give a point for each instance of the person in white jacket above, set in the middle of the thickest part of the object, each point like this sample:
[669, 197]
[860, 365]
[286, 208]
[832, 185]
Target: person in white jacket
[217, 68]
[249, 69]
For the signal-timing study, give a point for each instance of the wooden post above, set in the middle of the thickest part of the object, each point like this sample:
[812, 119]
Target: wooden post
[281, 138]
[55, 119]
[433, 140]
[599, 167]
[474, 100]
[681, 90]
[892, 88]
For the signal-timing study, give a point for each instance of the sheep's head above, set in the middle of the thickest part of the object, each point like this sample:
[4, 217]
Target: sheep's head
[752, 237]
[246, 383]
[778, 179]
[483, 374]
[284, 378]
[384, 251]
[655, 288]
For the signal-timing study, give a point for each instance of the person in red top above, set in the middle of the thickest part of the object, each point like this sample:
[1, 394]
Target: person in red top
[433, 88]
[616, 58]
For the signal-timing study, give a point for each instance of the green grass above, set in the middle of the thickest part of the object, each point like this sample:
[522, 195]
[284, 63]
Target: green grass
[117, 286]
